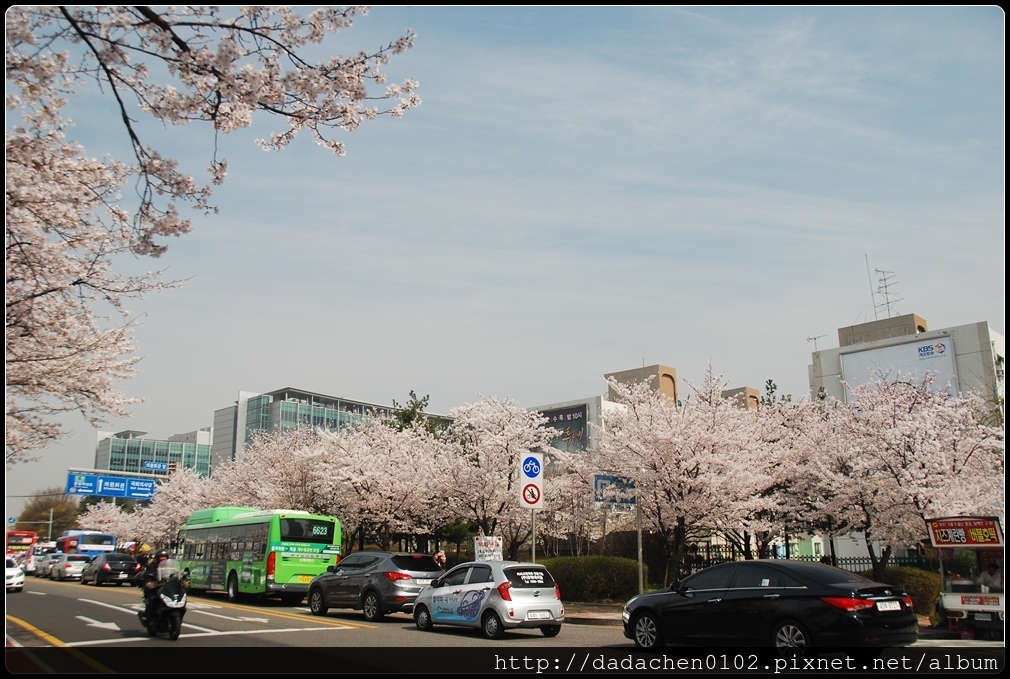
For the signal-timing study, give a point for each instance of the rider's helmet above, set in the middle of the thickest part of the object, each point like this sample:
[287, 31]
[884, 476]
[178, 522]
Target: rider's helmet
[161, 555]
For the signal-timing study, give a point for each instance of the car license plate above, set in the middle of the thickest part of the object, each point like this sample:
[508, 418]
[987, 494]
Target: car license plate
[121, 575]
[888, 605]
[984, 617]
[423, 581]
[538, 615]
[304, 578]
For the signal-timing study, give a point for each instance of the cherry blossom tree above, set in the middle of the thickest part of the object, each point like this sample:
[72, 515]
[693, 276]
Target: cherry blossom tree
[916, 453]
[110, 518]
[283, 469]
[68, 332]
[390, 478]
[483, 449]
[175, 499]
[671, 453]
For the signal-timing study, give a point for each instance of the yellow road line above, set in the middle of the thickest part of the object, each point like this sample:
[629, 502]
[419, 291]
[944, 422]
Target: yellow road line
[323, 620]
[83, 657]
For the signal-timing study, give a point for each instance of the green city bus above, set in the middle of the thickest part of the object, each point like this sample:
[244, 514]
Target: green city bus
[246, 551]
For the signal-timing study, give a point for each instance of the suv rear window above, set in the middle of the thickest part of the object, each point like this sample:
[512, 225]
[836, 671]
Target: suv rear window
[529, 577]
[78, 558]
[121, 559]
[415, 563]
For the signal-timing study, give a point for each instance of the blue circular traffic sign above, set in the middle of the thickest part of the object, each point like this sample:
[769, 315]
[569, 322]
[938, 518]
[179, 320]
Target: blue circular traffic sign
[531, 467]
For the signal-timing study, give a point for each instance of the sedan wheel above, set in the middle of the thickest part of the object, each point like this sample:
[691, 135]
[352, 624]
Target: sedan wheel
[790, 635]
[647, 632]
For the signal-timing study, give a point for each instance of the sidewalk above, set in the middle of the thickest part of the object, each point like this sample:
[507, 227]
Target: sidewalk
[593, 614]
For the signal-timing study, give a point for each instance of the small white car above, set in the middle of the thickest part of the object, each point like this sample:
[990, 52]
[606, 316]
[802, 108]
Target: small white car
[492, 596]
[14, 576]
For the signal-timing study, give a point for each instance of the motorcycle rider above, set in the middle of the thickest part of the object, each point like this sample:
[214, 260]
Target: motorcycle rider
[149, 578]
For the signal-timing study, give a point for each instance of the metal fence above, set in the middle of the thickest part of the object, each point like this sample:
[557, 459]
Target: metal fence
[705, 555]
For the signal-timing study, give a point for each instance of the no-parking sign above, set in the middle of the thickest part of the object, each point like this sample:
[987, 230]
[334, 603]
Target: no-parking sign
[531, 476]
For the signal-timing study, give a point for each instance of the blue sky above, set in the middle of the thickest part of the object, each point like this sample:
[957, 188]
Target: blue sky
[584, 190]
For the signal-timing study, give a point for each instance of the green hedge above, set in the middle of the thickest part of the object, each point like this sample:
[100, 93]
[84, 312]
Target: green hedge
[922, 586]
[595, 578]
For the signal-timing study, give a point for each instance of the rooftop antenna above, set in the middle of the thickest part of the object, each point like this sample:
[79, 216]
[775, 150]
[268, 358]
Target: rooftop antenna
[814, 340]
[883, 287]
[873, 301]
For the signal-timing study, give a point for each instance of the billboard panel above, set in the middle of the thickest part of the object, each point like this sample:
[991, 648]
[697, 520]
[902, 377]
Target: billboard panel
[965, 531]
[573, 432]
[911, 360]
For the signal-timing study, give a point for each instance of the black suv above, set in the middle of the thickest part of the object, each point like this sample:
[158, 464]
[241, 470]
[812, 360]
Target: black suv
[117, 568]
[373, 582]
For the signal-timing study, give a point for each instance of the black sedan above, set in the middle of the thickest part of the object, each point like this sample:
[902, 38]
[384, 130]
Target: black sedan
[772, 603]
[117, 568]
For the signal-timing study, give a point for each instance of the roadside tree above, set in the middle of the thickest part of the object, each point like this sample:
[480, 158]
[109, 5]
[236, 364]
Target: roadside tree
[669, 453]
[68, 331]
[36, 513]
[917, 452]
[480, 474]
[388, 479]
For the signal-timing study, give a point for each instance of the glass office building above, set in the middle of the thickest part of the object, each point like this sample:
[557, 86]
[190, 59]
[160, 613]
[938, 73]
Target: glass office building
[129, 451]
[286, 408]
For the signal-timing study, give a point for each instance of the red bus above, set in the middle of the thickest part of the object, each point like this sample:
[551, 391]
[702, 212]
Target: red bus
[20, 544]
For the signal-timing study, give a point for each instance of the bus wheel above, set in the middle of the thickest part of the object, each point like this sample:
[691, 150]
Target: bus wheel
[233, 594]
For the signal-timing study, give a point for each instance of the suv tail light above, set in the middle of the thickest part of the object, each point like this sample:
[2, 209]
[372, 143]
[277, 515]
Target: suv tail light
[394, 576]
[503, 591]
[847, 603]
[106, 566]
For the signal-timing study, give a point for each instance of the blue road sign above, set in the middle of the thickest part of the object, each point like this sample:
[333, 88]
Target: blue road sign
[110, 486]
[613, 492]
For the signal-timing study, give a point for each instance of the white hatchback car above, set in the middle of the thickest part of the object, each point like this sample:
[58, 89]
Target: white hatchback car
[492, 596]
[14, 576]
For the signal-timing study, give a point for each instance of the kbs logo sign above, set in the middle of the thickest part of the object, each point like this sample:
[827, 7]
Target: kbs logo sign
[931, 350]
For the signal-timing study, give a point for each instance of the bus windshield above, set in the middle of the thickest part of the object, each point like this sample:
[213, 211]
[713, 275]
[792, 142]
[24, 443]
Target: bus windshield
[97, 539]
[307, 530]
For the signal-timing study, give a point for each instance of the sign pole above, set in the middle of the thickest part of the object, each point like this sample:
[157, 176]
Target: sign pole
[533, 514]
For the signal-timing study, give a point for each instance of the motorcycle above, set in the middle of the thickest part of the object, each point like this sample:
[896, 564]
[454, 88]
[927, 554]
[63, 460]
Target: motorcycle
[165, 604]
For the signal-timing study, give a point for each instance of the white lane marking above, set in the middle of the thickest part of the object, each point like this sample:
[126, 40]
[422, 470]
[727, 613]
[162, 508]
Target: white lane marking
[210, 634]
[134, 608]
[96, 623]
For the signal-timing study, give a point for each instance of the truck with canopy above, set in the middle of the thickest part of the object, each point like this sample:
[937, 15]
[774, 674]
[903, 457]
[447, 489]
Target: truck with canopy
[973, 609]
